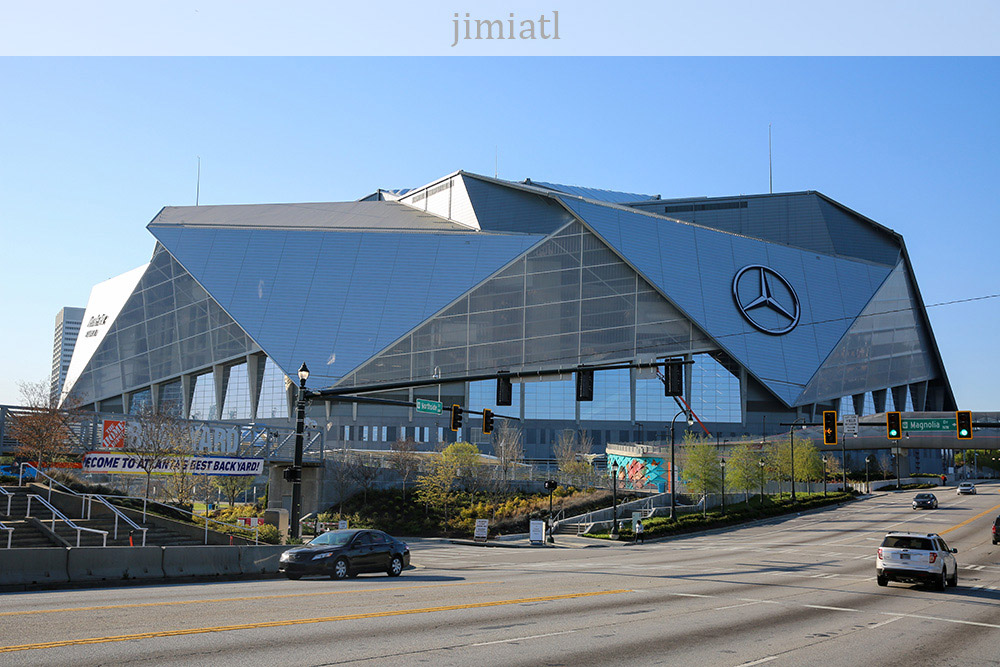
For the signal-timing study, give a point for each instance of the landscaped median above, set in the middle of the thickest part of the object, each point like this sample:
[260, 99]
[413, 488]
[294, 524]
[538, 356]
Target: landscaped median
[736, 514]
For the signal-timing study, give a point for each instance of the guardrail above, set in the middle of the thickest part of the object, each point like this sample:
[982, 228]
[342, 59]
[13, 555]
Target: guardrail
[10, 532]
[68, 522]
[10, 497]
[90, 497]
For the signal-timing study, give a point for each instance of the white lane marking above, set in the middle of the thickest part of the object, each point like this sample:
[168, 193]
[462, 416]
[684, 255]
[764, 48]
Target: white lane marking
[945, 620]
[879, 625]
[758, 662]
[744, 604]
[820, 606]
[519, 639]
[694, 595]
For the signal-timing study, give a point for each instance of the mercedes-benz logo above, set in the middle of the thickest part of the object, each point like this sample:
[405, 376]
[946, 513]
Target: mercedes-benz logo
[766, 299]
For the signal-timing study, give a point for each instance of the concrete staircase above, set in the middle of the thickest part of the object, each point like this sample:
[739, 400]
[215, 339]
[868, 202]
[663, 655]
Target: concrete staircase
[27, 533]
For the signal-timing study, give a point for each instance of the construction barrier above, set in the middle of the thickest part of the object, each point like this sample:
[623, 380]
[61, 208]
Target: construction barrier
[261, 559]
[201, 561]
[114, 563]
[33, 566]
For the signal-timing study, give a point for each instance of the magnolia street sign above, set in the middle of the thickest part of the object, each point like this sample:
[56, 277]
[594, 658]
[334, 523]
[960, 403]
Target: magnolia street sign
[937, 424]
[136, 464]
[430, 407]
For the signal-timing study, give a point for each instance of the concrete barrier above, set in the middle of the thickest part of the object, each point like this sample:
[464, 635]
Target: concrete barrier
[201, 561]
[114, 563]
[261, 559]
[33, 566]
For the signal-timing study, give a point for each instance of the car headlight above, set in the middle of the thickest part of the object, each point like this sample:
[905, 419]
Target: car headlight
[285, 557]
[322, 555]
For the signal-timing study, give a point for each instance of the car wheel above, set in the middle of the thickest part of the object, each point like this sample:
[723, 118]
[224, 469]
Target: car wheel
[942, 582]
[881, 581]
[340, 569]
[953, 580]
[293, 577]
[395, 567]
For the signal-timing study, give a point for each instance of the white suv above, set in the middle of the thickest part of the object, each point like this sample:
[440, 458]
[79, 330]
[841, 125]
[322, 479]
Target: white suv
[916, 558]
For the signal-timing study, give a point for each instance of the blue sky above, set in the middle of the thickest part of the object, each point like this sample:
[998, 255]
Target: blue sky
[93, 147]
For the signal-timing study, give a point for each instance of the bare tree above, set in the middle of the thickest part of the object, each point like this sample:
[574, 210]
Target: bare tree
[41, 429]
[569, 453]
[403, 459]
[341, 477]
[508, 447]
[158, 439]
[365, 472]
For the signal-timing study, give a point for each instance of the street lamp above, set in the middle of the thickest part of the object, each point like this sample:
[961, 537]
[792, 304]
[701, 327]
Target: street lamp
[673, 468]
[824, 459]
[761, 464]
[722, 465]
[614, 500]
[868, 486]
[296, 476]
[791, 440]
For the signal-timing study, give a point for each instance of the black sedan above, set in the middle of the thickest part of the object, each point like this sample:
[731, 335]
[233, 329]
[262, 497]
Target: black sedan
[346, 553]
[928, 500]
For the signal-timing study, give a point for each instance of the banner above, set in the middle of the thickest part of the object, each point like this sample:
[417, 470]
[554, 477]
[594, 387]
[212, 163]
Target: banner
[115, 463]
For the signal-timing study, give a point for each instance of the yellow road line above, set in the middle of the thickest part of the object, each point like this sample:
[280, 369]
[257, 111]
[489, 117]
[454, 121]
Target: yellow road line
[968, 521]
[241, 599]
[299, 621]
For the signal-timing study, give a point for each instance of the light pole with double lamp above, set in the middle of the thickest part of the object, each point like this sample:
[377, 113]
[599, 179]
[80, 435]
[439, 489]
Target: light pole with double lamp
[296, 480]
[614, 499]
[722, 466]
[673, 467]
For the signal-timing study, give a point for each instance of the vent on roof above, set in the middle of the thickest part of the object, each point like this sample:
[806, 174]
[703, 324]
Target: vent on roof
[687, 208]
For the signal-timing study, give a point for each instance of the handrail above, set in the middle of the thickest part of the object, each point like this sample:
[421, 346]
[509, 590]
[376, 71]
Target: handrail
[10, 497]
[51, 481]
[10, 533]
[65, 520]
[174, 508]
[89, 497]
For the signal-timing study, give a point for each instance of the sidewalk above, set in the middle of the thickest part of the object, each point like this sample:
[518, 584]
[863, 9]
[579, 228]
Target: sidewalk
[521, 541]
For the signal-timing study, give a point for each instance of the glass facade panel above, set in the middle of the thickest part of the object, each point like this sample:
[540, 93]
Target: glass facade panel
[612, 397]
[715, 392]
[273, 396]
[550, 400]
[237, 403]
[203, 398]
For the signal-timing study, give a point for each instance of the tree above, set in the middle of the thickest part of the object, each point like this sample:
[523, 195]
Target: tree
[808, 464]
[232, 485]
[701, 472]
[569, 454]
[743, 468]
[779, 460]
[341, 477]
[40, 429]
[158, 439]
[364, 470]
[403, 459]
[508, 446]
[434, 488]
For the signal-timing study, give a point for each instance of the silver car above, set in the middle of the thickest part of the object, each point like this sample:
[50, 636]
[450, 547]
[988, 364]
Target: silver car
[921, 558]
[966, 488]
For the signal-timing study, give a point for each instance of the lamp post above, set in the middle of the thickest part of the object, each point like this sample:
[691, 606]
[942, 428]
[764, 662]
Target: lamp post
[300, 422]
[673, 468]
[791, 441]
[824, 459]
[868, 486]
[722, 465]
[614, 500]
[761, 464]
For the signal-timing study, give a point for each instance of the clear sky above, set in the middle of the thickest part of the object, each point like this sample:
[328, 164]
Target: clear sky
[91, 148]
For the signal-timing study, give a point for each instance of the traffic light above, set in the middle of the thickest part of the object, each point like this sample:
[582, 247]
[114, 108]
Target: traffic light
[456, 417]
[584, 385]
[673, 378]
[963, 422]
[503, 391]
[830, 427]
[893, 426]
[487, 421]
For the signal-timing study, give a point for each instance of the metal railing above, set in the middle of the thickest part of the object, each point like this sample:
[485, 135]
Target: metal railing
[10, 497]
[88, 499]
[56, 513]
[10, 533]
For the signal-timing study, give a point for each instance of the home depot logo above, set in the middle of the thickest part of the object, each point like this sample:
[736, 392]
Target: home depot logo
[114, 434]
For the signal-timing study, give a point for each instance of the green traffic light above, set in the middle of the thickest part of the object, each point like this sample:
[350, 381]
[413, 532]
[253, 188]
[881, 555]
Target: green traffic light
[893, 432]
[963, 433]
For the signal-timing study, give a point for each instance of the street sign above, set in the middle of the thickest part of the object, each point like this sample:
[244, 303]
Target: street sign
[935, 424]
[850, 424]
[430, 407]
[482, 530]
[536, 532]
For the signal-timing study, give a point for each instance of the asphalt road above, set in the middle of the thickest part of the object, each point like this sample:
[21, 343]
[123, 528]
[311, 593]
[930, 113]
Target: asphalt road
[796, 591]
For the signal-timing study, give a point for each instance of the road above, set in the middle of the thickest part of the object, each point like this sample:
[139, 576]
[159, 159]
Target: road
[794, 591]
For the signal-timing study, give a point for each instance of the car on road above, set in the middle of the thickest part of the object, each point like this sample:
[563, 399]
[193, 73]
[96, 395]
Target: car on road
[928, 500]
[346, 553]
[966, 488]
[996, 530]
[922, 558]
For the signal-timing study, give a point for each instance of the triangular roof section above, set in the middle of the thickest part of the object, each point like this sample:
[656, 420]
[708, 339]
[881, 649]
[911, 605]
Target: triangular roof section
[694, 267]
[106, 301]
[333, 298]
[596, 194]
